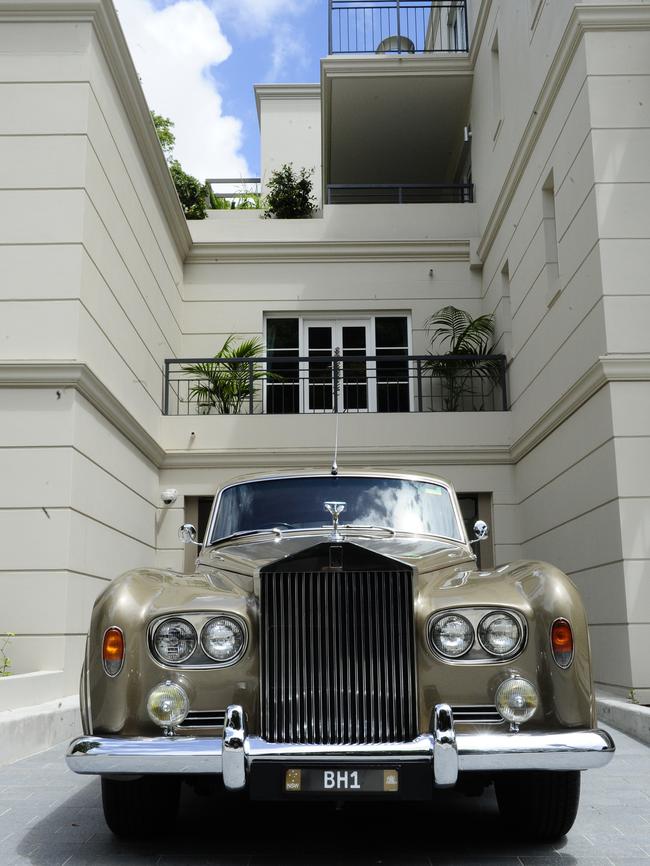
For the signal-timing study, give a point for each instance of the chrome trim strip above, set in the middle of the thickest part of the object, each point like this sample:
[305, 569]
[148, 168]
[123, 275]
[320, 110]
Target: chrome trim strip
[564, 750]
[140, 755]
[234, 742]
[417, 750]
[489, 752]
[445, 755]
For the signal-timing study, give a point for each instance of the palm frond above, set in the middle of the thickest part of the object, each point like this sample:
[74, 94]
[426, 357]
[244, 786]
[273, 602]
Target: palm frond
[227, 381]
[462, 334]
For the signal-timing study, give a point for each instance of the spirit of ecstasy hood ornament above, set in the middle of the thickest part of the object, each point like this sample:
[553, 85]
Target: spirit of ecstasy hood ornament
[335, 509]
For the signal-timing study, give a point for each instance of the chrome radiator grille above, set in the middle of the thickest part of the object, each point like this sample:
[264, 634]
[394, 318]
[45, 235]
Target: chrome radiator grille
[338, 663]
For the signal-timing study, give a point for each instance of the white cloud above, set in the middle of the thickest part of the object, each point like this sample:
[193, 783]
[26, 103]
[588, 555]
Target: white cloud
[271, 19]
[288, 53]
[258, 16]
[173, 49]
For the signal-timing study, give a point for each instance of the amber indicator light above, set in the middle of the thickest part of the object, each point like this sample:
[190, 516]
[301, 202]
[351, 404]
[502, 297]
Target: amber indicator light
[113, 651]
[562, 642]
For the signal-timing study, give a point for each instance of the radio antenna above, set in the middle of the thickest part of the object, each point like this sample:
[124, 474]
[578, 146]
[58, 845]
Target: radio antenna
[335, 466]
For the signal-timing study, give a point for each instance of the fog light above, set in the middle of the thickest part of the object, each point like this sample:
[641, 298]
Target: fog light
[516, 699]
[167, 705]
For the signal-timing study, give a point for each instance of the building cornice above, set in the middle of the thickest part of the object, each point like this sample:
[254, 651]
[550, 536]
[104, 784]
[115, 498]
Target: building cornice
[73, 374]
[101, 14]
[584, 19]
[366, 456]
[608, 368]
[329, 251]
[284, 91]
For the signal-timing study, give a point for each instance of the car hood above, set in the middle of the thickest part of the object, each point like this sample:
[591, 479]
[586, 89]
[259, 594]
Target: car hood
[421, 553]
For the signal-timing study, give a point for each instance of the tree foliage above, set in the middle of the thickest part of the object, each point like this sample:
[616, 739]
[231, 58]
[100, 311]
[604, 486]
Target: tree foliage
[191, 192]
[166, 137]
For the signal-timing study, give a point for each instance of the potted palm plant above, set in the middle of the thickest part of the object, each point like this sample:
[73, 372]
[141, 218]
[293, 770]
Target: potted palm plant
[228, 381]
[469, 345]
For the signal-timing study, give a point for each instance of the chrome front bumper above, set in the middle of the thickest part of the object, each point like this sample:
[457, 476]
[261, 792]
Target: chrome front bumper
[446, 752]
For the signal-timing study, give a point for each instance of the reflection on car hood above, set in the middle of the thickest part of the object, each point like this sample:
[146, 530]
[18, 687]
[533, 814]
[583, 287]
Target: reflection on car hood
[423, 553]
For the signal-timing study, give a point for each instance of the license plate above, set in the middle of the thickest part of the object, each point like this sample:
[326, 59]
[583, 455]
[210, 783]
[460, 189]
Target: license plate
[338, 780]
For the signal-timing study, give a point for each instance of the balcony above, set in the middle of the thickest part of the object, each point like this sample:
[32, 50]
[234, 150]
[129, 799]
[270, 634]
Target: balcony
[397, 26]
[325, 384]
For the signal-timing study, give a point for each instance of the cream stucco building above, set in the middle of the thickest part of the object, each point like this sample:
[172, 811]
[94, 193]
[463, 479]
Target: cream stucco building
[505, 172]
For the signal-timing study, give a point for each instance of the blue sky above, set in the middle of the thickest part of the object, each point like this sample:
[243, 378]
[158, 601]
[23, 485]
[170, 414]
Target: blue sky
[198, 61]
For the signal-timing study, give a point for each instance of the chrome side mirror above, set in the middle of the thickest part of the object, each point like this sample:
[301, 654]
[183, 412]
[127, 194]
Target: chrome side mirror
[481, 532]
[187, 534]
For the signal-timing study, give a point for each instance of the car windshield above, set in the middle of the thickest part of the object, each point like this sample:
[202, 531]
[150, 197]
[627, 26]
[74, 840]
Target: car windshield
[298, 503]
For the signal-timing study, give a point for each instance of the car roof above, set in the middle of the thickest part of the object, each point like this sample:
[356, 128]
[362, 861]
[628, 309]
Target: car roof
[363, 472]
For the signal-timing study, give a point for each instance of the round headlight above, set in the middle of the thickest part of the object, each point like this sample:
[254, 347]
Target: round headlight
[223, 639]
[174, 641]
[499, 633]
[167, 704]
[516, 699]
[452, 635]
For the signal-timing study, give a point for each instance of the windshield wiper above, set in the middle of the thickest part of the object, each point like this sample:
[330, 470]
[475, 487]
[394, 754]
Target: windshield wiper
[369, 528]
[244, 532]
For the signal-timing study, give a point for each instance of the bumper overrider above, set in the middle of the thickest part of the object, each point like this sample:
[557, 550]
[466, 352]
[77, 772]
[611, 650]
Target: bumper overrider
[444, 751]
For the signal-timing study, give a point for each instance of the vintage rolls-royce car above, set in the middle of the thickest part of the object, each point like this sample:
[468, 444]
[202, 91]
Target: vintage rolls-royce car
[337, 641]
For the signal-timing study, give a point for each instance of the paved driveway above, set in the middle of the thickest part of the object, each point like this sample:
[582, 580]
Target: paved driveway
[50, 817]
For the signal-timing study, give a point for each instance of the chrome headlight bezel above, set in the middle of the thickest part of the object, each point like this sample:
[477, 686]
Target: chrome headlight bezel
[239, 622]
[477, 654]
[433, 622]
[514, 649]
[156, 652]
[198, 660]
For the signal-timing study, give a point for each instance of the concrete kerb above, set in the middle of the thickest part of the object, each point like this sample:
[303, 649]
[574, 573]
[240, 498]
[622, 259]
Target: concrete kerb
[28, 730]
[625, 715]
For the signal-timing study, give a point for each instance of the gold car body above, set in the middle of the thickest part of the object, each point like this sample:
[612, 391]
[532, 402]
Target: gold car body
[119, 735]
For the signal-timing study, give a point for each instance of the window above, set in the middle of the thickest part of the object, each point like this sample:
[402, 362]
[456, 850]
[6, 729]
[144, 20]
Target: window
[282, 388]
[354, 384]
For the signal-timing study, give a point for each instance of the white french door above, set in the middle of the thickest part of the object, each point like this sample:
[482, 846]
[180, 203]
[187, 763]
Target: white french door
[338, 384]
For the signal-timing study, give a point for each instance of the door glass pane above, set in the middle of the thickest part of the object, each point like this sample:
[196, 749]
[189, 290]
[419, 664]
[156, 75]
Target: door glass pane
[319, 345]
[282, 389]
[391, 332]
[354, 376]
[391, 340]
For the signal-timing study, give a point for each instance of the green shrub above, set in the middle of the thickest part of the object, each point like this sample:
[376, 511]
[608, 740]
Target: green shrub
[289, 194]
[5, 661]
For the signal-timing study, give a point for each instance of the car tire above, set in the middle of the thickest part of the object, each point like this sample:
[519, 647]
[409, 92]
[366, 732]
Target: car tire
[540, 805]
[138, 807]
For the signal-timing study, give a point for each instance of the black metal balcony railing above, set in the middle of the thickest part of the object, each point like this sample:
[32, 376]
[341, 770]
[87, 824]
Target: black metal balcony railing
[289, 385]
[397, 26]
[405, 193]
